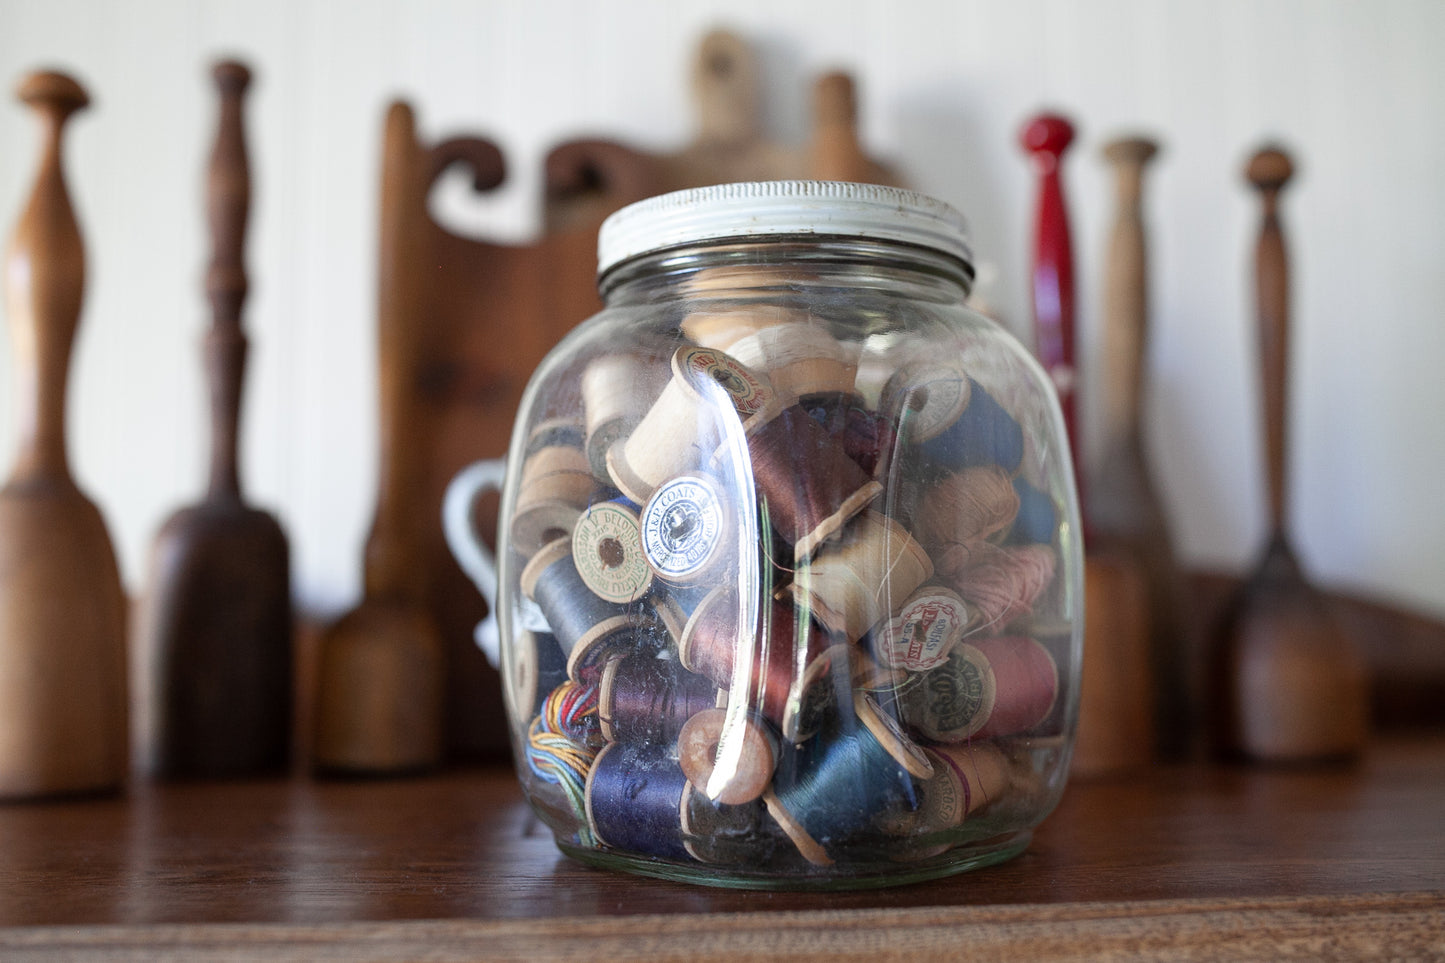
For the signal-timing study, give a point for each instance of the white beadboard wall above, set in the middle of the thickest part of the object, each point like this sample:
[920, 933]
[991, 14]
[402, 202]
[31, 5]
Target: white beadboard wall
[1356, 90]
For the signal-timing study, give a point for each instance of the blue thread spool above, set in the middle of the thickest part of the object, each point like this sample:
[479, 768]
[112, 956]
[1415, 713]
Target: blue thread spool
[634, 801]
[1037, 517]
[838, 784]
[983, 434]
[585, 626]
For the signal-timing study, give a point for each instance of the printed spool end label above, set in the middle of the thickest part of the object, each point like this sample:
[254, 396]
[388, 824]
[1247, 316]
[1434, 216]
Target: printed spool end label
[607, 549]
[924, 632]
[703, 368]
[683, 528]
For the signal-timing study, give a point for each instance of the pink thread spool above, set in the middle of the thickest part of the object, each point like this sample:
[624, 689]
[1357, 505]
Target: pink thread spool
[811, 485]
[1003, 584]
[862, 576]
[1026, 682]
[788, 664]
[986, 689]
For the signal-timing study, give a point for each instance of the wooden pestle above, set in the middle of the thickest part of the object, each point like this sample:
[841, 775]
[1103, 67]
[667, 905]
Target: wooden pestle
[213, 637]
[1125, 512]
[62, 607]
[1115, 729]
[1290, 685]
[379, 706]
[834, 151]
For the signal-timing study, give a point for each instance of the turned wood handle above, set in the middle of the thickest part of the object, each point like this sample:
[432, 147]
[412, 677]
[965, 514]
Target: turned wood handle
[1046, 137]
[228, 202]
[725, 88]
[44, 282]
[1126, 291]
[393, 557]
[1269, 170]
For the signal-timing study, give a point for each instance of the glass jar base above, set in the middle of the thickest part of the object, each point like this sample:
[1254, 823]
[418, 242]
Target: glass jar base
[960, 859]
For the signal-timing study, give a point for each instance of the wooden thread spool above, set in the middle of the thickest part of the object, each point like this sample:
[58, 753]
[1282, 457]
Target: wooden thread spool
[539, 665]
[924, 631]
[556, 486]
[800, 360]
[688, 531]
[966, 780]
[862, 576]
[740, 835]
[634, 801]
[708, 392]
[968, 505]
[613, 389]
[63, 699]
[811, 486]
[988, 688]
[782, 672]
[721, 329]
[935, 392]
[643, 698]
[607, 550]
[1002, 583]
[584, 625]
[838, 783]
[730, 758]
[958, 423]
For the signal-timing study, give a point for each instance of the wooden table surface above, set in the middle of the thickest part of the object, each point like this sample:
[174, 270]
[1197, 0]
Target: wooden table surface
[1178, 862]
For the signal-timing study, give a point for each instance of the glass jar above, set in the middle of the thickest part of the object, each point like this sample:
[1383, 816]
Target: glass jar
[790, 576]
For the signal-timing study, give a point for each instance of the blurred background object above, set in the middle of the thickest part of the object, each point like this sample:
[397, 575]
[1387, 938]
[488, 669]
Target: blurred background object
[939, 89]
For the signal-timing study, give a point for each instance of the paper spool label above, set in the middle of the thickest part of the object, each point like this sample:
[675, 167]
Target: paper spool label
[748, 392]
[923, 632]
[943, 390]
[682, 528]
[607, 548]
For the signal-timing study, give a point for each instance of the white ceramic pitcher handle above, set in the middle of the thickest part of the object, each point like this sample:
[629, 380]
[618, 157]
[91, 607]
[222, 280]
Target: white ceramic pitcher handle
[467, 546]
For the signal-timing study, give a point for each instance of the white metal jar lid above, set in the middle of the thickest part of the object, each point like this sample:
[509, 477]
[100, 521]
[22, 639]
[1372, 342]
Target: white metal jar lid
[777, 208]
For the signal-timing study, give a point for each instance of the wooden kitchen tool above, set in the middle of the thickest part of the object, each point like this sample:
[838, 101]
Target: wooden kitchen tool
[379, 683]
[214, 636]
[834, 150]
[1116, 730]
[589, 179]
[1292, 687]
[62, 608]
[1124, 510]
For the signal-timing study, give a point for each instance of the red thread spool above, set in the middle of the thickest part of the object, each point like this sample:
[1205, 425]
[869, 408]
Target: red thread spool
[811, 485]
[786, 661]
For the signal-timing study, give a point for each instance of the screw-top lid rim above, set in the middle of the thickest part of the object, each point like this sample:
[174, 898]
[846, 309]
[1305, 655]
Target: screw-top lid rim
[781, 208]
